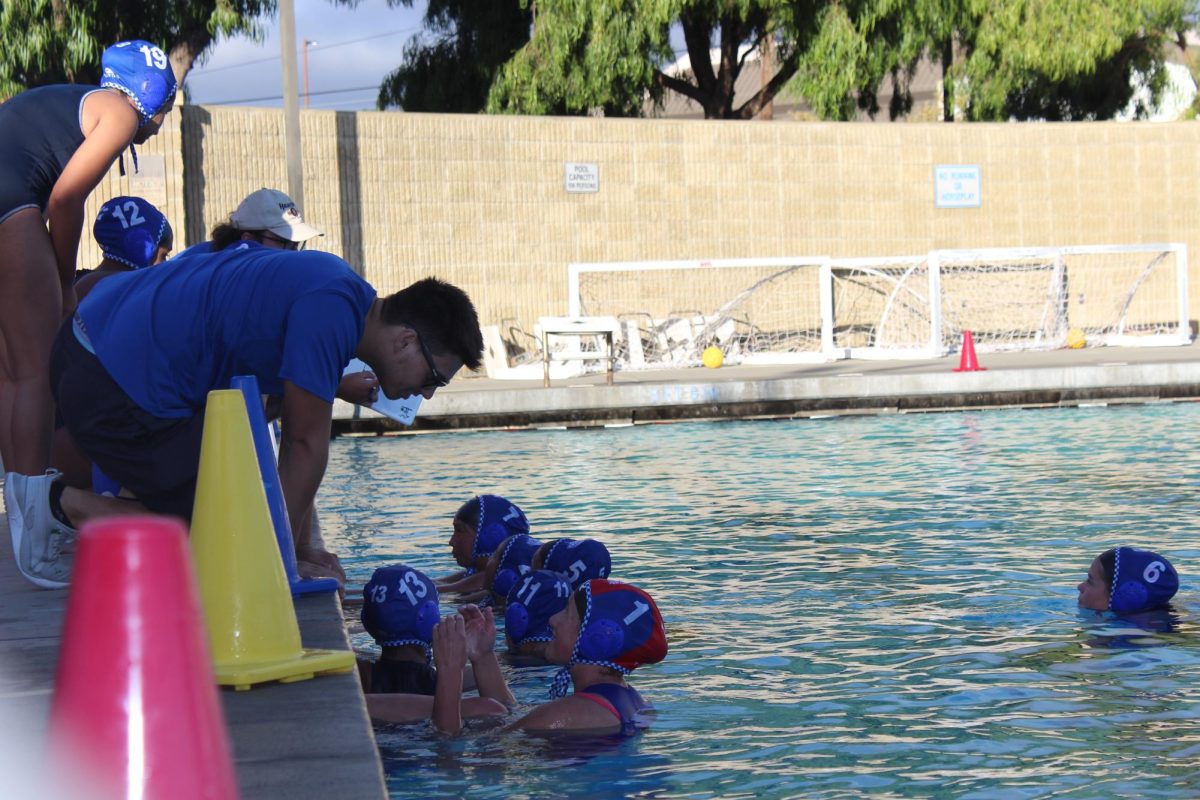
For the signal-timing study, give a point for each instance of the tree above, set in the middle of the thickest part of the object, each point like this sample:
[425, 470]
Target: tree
[610, 54]
[1045, 59]
[452, 67]
[1061, 59]
[59, 41]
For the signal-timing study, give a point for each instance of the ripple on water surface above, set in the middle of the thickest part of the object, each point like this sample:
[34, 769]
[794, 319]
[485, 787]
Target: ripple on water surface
[881, 605]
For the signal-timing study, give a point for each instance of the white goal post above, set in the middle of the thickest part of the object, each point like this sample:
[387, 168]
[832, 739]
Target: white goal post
[817, 308]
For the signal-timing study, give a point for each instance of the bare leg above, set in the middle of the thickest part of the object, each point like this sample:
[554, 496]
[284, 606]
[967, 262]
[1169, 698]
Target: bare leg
[82, 505]
[30, 313]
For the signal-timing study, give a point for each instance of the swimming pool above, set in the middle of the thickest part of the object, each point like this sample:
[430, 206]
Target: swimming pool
[860, 605]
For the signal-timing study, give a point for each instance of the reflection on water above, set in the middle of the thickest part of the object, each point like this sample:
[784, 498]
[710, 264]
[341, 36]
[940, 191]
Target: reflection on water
[882, 604]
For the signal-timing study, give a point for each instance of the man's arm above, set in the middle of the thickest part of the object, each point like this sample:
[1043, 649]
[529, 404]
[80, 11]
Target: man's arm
[303, 454]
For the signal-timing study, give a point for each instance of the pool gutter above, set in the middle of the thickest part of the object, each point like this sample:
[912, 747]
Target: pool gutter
[1028, 380]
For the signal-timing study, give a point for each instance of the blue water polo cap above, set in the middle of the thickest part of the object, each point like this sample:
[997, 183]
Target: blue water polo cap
[1142, 580]
[400, 606]
[129, 230]
[517, 553]
[621, 628]
[535, 598]
[498, 520]
[142, 71]
[578, 560]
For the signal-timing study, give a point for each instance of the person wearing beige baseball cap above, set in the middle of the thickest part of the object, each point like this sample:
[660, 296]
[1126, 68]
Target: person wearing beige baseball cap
[274, 216]
[267, 216]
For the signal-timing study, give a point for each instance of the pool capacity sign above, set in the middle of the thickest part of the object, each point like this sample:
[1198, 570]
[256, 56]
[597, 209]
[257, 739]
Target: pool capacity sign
[957, 186]
[581, 178]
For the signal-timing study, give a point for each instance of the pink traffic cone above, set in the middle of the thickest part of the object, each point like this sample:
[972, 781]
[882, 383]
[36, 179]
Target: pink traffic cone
[135, 706]
[967, 362]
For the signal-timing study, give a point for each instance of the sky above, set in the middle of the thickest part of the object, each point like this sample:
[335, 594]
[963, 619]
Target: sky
[355, 48]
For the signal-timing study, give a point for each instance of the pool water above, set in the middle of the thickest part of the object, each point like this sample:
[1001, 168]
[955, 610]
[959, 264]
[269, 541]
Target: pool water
[859, 605]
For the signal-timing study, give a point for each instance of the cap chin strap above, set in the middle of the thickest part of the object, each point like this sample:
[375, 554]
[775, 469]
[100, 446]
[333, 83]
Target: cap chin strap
[121, 160]
[562, 679]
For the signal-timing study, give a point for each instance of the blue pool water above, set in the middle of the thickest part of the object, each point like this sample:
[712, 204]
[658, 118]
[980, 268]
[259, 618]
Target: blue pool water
[861, 605]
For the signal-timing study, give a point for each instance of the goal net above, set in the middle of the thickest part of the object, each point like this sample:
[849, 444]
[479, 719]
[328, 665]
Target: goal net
[781, 310]
[670, 311]
[1014, 299]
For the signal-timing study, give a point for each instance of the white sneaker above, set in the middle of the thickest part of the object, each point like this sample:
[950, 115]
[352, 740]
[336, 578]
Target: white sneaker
[43, 546]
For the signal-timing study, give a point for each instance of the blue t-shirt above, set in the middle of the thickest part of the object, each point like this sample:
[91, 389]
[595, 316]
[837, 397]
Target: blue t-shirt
[196, 249]
[171, 334]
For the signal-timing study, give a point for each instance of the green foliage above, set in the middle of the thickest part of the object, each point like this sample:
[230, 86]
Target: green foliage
[1002, 59]
[58, 41]
[451, 67]
[1065, 59]
[586, 55]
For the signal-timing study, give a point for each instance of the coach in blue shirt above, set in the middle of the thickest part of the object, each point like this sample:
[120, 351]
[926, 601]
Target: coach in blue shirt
[132, 370]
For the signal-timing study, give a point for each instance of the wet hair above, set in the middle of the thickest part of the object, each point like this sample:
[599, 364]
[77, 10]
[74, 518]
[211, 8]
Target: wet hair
[442, 314]
[1108, 565]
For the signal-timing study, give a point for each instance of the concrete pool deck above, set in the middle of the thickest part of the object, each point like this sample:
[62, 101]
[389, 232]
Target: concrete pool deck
[310, 739]
[1025, 379]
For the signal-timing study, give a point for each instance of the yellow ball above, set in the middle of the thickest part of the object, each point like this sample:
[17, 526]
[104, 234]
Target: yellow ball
[712, 357]
[1075, 339]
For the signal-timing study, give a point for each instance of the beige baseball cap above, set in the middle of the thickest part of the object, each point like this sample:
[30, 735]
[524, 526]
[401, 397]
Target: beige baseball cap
[272, 210]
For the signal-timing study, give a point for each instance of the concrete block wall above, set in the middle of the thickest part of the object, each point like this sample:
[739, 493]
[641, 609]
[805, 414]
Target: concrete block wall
[479, 200]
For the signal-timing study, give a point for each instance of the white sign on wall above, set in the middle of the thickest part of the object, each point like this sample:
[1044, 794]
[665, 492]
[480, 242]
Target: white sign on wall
[957, 186]
[581, 178]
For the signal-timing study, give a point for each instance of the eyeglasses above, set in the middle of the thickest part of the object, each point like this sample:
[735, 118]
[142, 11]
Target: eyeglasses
[436, 381]
[284, 244]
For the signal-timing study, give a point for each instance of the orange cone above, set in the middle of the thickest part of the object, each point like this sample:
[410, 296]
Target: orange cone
[967, 361]
[135, 708]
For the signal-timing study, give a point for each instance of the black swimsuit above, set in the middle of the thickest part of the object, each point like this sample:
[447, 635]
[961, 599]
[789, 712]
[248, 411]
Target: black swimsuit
[40, 130]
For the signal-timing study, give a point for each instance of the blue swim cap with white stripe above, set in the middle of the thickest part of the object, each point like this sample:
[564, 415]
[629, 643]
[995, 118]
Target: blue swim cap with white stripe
[129, 231]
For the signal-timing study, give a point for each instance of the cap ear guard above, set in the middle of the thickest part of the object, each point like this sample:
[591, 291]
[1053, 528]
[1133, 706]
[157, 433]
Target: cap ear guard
[1128, 597]
[428, 616]
[489, 537]
[516, 621]
[141, 244]
[504, 581]
[602, 640]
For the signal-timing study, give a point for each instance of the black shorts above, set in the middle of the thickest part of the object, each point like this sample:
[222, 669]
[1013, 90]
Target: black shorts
[154, 458]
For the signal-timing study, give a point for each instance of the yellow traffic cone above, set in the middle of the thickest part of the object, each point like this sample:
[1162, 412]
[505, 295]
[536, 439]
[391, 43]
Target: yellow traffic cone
[252, 628]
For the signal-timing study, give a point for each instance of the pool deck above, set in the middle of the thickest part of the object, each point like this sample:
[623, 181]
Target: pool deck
[313, 739]
[1023, 379]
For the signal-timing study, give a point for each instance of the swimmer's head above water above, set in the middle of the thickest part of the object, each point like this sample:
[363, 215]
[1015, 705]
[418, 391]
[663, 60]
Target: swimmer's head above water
[480, 525]
[1126, 580]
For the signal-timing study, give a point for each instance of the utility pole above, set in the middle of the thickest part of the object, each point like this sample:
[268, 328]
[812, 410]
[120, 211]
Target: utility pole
[307, 42]
[291, 102]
